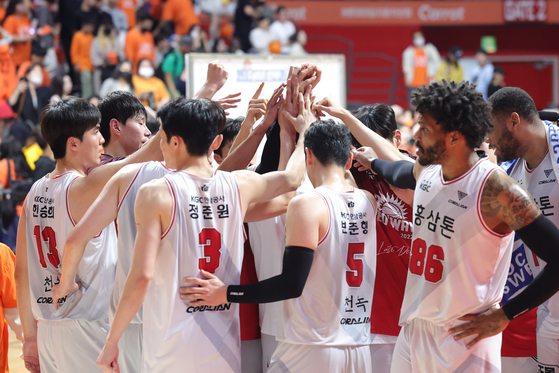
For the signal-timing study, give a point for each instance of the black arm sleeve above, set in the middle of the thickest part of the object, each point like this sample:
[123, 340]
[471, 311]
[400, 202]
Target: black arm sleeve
[271, 152]
[542, 237]
[397, 173]
[289, 284]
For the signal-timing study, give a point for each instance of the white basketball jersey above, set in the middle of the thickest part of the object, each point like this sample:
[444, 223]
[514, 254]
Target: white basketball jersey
[126, 230]
[48, 225]
[206, 232]
[457, 264]
[335, 307]
[542, 184]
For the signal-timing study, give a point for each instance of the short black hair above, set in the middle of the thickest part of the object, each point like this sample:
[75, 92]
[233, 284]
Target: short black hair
[153, 126]
[379, 118]
[119, 105]
[69, 117]
[329, 142]
[38, 50]
[482, 51]
[456, 107]
[280, 8]
[508, 100]
[142, 15]
[231, 130]
[197, 122]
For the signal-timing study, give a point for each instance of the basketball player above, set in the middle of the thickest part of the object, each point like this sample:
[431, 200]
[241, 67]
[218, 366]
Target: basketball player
[520, 137]
[52, 208]
[328, 266]
[465, 210]
[190, 221]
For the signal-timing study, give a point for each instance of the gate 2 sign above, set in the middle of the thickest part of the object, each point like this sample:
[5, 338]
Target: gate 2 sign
[525, 10]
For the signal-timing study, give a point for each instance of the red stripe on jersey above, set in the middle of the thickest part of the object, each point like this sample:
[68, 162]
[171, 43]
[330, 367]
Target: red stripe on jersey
[248, 313]
[130, 186]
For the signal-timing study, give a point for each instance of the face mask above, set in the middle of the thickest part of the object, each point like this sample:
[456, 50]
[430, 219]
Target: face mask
[146, 72]
[419, 42]
[108, 31]
[36, 79]
[125, 75]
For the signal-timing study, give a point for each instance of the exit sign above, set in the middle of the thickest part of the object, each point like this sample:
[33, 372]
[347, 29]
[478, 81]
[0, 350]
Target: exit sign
[525, 10]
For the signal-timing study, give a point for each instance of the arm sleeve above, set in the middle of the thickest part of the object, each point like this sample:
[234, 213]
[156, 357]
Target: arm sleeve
[271, 152]
[397, 173]
[297, 262]
[542, 237]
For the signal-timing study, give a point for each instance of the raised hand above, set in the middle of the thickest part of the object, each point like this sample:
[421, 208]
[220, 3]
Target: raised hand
[273, 106]
[210, 292]
[217, 75]
[326, 105]
[230, 101]
[305, 116]
[257, 106]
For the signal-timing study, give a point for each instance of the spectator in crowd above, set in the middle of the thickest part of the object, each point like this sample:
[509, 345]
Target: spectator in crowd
[498, 81]
[220, 46]
[31, 150]
[8, 79]
[450, 70]
[419, 62]
[129, 7]
[139, 41]
[7, 117]
[298, 41]
[482, 74]
[38, 54]
[162, 48]
[120, 81]
[61, 87]
[244, 17]
[8, 308]
[282, 29]
[94, 100]
[235, 47]
[120, 20]
[173, 65]
[260, 36]
[80, 54]
[106, 51]
[46, 162]
[181, 14]
[46, 15]
[200, 42]
[17, 23]
[29, 97]
[89, 12]
[149, 89]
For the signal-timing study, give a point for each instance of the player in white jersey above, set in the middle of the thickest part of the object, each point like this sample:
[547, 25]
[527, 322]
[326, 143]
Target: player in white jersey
[521, 138]
[465, 210]
[189, 222]
[54, 205]
[328, 267]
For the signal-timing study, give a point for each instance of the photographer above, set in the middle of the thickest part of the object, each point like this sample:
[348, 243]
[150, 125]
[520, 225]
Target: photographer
[29, 97]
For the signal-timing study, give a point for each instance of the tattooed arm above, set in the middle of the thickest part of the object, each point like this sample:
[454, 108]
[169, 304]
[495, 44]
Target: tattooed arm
[506, 206]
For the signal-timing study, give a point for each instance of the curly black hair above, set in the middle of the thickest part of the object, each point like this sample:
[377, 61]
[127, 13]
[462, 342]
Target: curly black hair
[456, 107]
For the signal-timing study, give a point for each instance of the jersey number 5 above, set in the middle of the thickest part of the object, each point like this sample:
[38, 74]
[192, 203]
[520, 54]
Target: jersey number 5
[354, 278]
[433, 266]
[211, 240]
[49, 236]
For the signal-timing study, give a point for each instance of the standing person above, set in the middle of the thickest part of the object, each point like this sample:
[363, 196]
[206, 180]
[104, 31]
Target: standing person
[17, 23]
[120, 81]
[173, 64]
[223, 197]
[465, 211]
[38, 54]
[498, 81]
[80, 54]
[260, 37]
[450, 70]
[120, 20]
[282, 29]
[181, 14]
[139, 40]
[245, 13]
[482, 75]
[419, 63]
[106, 51]
[524, 142]
[52, 208]
[29, 97]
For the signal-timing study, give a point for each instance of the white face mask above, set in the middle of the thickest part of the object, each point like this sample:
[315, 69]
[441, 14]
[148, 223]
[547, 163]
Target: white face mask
[36, 79]
[195, 34]
[146, 72]
[419, 41]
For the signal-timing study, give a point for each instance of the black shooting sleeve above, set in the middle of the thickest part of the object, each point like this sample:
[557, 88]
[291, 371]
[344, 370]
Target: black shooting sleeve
[397, 173]
[542, 237]
[271, 153]
[289, 284]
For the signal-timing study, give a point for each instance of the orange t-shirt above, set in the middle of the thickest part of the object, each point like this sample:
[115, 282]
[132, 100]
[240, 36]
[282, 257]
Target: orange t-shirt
[19, 26]
[8, 297]
[22, 71]
[138, 46]
[181, 13]
[7, 73]
[80, 51]
[420, 67]
[129, 8]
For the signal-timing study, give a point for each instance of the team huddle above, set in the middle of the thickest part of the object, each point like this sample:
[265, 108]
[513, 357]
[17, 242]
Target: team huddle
[152, 256]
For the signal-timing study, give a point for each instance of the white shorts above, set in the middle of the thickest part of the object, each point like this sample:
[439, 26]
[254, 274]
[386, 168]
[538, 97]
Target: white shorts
[548, 355]
[130, 349]
[251, 356]
[298, 358]
[67, 344]
[269, 345]
[381, 356]
[423, 347]
[519, 364]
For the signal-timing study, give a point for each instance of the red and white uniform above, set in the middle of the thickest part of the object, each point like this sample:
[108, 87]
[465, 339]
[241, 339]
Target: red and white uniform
[206, 232]
[82, 319]
[457, 266]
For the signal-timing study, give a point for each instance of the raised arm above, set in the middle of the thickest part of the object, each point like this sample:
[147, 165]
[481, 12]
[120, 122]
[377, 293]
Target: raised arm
[256, 109]
[215, 79]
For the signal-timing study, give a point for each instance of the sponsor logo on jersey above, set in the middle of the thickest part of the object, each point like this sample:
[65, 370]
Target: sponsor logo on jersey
[453, 202]
[548, 180]
[424, 186]
[547, 173]
[392, 211]
[461, 195]
[355, 321]
[221, 307]
[204, 188]
[351, 204]
[48, 300]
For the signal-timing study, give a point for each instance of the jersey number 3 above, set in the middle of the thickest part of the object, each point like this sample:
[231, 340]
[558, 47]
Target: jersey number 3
[211, 240]
[49, 236]
[428, 261]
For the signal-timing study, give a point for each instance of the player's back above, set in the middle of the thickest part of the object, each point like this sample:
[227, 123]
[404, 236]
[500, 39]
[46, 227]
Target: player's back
[335, 306]
[206, 232]
[49, 223]
[457, 265]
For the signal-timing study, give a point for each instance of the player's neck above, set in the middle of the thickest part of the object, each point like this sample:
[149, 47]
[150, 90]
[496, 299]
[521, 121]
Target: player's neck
[458, 163]
[199, 166]
[114, 149]
[67, 164]
[537, 147]
[332, 176]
